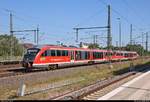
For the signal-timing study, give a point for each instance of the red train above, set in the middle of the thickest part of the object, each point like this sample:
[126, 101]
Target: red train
[51, 57]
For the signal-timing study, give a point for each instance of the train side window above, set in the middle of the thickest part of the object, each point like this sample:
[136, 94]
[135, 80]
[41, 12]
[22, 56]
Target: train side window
[101, 55]
[48, 52]
[82, 55]
[66, 53]
[63, 53]
[53, 53]
[118, 54]
[86, 55]
[59, 53]
[97, 55]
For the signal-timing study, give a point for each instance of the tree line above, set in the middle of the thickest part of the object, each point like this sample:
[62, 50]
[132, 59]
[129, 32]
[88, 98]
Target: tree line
[10, 44]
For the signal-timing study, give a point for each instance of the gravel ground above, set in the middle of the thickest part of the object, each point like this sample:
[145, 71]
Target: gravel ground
[40, 76]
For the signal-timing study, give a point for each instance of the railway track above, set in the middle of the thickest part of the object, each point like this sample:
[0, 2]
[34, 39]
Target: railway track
[94, 91]
[14, 70]
[89, 90]
[9, 66]
[99, 93]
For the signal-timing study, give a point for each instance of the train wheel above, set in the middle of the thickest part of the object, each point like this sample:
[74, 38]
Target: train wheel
[91, 62]
[52, 67]
[55, 66]
[27, 69]
[49, 67]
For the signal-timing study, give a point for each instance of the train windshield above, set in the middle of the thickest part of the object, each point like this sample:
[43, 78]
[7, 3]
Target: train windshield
[33, 51]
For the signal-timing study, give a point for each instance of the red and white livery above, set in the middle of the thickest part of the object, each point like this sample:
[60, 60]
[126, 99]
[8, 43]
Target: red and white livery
[54, 56]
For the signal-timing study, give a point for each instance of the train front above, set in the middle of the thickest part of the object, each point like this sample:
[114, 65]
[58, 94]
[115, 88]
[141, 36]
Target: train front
[29, 57]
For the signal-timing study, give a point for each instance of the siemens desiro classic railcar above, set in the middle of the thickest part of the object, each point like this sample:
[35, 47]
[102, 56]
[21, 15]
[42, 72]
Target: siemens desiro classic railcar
[51, 57]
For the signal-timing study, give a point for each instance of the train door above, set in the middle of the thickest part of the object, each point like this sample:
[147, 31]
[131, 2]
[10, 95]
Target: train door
[72, 56]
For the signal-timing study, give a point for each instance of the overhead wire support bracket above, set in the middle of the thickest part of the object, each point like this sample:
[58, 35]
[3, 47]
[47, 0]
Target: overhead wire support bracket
[35, 31]
[77, 30]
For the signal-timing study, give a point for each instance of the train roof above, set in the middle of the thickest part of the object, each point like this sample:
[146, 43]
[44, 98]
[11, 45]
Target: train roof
[124, 51]
[76, 48]
[68, 48]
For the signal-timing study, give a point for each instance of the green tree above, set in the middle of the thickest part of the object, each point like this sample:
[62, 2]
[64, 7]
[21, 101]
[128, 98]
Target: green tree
[138, 48]
[5, 46]
[93, 46]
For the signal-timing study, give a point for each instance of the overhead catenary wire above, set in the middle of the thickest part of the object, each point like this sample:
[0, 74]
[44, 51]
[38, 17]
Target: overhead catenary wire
[91, 17]
[16, 16]
[118, 13]
[134, 11]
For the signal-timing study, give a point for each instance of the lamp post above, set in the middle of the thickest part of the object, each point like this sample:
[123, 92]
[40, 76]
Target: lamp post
[119, 32]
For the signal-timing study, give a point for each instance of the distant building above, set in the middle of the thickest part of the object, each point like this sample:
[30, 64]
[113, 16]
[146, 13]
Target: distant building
[28, 45]
[84, 45]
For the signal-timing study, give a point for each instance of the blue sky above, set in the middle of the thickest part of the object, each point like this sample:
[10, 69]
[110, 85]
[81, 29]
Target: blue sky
[56, 18]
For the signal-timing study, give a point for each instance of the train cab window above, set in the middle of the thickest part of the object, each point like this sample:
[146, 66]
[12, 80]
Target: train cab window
[53, 52]
[33, 51]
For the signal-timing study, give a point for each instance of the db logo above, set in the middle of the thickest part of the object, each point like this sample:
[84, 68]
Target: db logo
[42, 59]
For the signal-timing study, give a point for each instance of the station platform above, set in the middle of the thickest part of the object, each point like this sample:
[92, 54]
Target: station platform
[136, 89]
